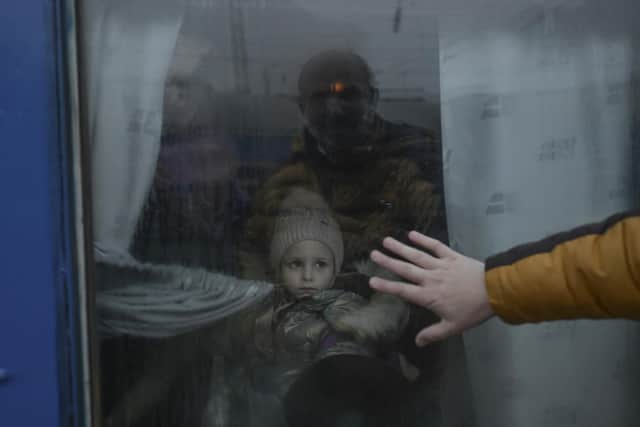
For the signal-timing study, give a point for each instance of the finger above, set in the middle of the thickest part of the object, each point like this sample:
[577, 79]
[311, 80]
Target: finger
[412, 293]
[413, 255]
[401, 268]
[433, 333]
[435, 246]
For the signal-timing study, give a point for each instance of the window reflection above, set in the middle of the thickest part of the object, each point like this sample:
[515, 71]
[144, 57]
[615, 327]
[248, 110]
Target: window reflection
[215, 122]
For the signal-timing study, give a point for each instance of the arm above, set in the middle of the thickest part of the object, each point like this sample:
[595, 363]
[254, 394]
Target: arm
[592, 271]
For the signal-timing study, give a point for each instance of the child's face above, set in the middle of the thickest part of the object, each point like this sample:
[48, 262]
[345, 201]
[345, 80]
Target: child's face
[306, 268]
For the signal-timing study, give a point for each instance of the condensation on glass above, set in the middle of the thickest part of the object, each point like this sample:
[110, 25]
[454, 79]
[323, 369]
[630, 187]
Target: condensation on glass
[247, 155]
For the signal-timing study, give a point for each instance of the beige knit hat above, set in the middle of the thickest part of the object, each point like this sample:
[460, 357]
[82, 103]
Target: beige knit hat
[295, 225]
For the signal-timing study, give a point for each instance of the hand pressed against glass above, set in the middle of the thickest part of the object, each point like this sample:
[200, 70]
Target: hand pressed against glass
[307, 267]
[449, 284]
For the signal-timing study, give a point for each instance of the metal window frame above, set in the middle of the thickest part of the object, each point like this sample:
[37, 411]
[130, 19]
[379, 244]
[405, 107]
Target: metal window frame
[50, 350]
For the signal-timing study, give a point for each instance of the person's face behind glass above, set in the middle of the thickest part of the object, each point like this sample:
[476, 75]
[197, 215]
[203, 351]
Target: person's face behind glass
[306, 268]
[194, 151]
[338, 108]
[180, 103]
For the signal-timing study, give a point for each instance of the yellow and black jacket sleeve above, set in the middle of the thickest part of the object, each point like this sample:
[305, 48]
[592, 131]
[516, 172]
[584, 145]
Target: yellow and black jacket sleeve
[590, 272]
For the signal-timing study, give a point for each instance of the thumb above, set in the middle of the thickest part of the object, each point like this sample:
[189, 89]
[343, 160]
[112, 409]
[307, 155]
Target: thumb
[437, 332]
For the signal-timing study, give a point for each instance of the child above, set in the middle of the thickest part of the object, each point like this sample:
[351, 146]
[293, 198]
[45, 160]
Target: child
[305, 255]
[304, 321]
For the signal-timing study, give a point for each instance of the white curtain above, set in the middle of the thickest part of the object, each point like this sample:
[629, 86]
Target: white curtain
[537, 119]
[128, 46]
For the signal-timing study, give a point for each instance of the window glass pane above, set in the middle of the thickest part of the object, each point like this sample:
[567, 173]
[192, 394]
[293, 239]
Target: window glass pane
[248, 155]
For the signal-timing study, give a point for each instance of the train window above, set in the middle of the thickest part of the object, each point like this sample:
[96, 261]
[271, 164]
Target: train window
[248, 155]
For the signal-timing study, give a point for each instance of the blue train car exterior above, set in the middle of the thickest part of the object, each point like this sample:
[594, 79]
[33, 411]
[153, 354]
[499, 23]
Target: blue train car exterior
[37, 313]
